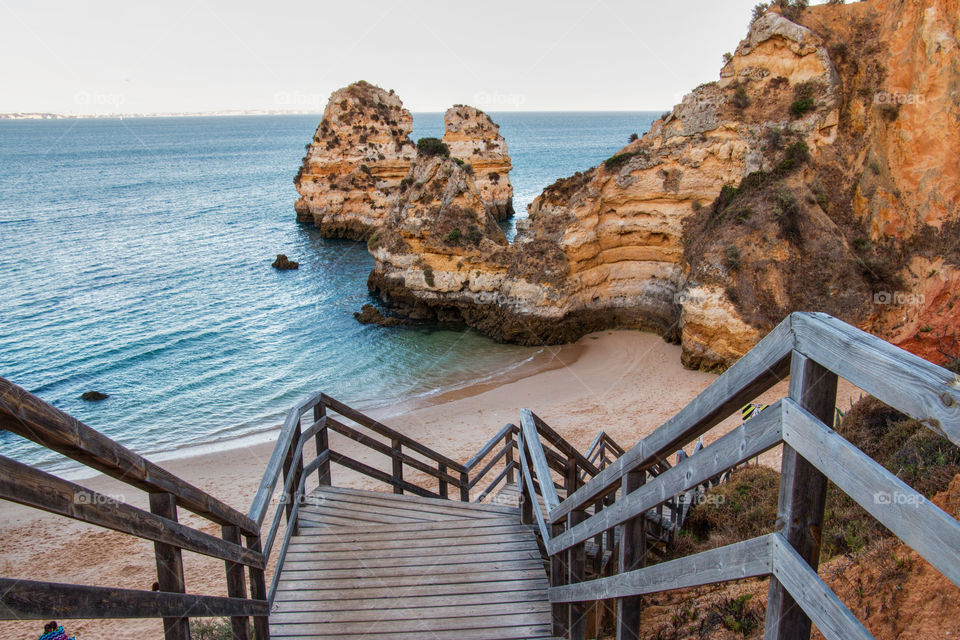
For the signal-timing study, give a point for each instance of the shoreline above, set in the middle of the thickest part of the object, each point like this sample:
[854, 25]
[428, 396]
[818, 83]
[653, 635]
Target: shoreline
[548, 359]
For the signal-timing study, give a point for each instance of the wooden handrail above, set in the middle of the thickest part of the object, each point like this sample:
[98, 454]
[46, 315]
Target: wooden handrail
[538, 458]
[386, 431]
[764, 366]
[28, 416]
[31, 487]
[815, 349]
[239, 547]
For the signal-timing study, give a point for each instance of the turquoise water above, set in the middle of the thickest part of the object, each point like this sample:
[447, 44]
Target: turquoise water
[135, 260]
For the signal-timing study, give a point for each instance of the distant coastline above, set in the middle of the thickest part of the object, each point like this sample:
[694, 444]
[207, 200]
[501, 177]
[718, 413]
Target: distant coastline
[23, 115]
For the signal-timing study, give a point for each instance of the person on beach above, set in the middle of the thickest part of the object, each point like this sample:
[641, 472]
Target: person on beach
[53, 631]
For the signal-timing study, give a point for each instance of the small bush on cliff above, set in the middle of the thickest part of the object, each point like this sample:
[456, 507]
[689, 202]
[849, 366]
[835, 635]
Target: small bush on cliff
[803, 99]
[613, 163]
[733, 257]
[432, 147]
[740, 98]
[453, 237]
[474, 235]
[428, 276]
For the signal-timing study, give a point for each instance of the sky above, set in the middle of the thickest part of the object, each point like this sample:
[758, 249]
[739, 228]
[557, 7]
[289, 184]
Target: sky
[106, 56]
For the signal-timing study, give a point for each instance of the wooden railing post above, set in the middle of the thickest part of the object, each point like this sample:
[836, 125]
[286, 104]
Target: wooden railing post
[558, 577]
[323, 443]
[395, 450]
[169, 566]
[464, 487]
[236, 585]
[577, 562]
[292, 466]
[509, 459]
[442, 468]
[258, 591]
[803, 491]
[633, 548]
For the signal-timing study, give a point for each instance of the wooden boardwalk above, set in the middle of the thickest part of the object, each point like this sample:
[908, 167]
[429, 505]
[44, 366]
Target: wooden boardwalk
[377, 565]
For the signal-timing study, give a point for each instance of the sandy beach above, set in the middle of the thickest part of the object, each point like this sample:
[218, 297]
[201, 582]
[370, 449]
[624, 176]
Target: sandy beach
[624, 382]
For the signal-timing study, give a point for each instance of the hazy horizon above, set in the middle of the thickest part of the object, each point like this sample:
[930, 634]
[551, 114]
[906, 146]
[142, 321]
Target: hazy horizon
[201, 57]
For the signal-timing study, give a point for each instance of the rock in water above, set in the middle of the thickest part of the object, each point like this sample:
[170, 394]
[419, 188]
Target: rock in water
[94, 396]
[282, 263]
[369, 314]
[475, 139]
[353, 168]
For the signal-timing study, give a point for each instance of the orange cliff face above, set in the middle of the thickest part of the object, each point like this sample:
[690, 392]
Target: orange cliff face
[474, 138]
[792, 183]
[353, 168]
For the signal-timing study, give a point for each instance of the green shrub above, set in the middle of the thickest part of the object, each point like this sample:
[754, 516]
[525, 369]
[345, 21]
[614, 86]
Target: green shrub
[474, 235]
[428, 276]
[453, 237]
[615, 162]
[432, 147]
[740, 98]
[803, 99]
[733, 257]
[633, 137]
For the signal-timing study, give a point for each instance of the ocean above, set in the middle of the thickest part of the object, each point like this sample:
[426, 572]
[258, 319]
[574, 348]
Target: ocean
[135, 260]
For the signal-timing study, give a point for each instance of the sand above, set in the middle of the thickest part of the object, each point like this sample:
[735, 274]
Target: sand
[624, 382]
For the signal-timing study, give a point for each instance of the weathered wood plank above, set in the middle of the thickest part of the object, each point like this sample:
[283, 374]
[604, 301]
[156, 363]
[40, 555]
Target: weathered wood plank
[906, 382]
[746, 559]
[812, 594]
[761, 368]
[271, 475]
[381, 545]
[919, 523]
[236, 586]
[414, 500]
[412, 624]
[633, 549]
[525, 585]
[531, 441]
[390, 611]
[803, 494]
[31, 487]
[410, 580]
[31, 600]
[496, 633]
[450, 550]
[169, 566]
[529, 491]
[289, 602]
[307, 561]
[746, 441]
[28, 416]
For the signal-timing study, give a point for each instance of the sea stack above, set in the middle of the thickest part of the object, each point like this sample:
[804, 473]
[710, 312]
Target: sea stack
[352, 171]
[474, 138]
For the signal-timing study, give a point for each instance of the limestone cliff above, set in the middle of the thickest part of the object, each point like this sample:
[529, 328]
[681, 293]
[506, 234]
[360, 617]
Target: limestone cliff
[352, 171]
[474, 138]
[351, 176]
[811, 175]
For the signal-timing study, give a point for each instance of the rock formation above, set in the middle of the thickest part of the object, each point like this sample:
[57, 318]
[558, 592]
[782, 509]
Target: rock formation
[353, 168]
[474, 138]
[802, 179]
[283, 263]
[350, 178]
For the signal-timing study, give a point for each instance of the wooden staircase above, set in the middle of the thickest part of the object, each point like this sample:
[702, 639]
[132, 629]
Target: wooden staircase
[368, 564]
